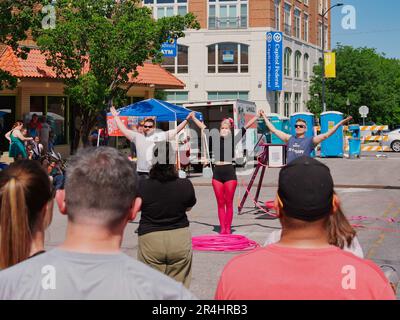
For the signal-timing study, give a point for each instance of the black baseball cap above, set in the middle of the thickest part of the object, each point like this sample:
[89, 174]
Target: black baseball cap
[306, 189]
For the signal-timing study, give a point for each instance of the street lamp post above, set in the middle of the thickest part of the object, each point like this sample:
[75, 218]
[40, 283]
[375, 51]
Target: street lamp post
[323, 53]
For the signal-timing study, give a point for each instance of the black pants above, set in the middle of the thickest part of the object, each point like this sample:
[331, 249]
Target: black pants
[143, 175]
[224, 173]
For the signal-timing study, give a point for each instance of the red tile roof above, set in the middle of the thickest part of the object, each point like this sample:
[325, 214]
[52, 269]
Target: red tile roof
[155, 74]
[35, 67]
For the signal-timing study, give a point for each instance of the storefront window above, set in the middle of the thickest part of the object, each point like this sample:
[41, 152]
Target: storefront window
[56, 117]
[38, 104]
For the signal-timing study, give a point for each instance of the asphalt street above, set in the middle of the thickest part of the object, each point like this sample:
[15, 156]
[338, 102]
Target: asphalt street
[367, 187]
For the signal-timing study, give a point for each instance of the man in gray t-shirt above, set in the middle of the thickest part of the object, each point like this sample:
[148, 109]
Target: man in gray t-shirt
[300, 145]
[99, 200]
[62, 274]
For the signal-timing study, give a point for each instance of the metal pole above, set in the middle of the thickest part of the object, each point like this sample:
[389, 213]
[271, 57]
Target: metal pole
[323, 53]
[178, 159]
[323, 64]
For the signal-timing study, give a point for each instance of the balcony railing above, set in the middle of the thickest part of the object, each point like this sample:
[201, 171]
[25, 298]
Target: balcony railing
[227, 23]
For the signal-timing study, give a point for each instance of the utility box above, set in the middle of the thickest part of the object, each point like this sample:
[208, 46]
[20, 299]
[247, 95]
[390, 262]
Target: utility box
[354, 141]
[333, 146]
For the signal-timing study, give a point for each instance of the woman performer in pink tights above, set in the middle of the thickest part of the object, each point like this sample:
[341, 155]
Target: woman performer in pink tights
[224, 179]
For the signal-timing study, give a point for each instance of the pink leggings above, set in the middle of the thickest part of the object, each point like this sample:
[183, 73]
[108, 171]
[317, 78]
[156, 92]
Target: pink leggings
[224, 192]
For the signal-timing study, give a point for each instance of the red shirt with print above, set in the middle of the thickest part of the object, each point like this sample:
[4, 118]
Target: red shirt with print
[281, 273]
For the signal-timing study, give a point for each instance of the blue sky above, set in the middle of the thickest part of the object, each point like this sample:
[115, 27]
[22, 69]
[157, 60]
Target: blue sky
[377, 26]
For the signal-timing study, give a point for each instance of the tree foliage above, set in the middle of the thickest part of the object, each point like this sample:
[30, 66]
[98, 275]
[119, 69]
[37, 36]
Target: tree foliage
[16, 18]
[363, 77]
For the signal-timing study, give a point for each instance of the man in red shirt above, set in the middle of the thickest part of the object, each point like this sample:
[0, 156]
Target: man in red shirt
[304, 265]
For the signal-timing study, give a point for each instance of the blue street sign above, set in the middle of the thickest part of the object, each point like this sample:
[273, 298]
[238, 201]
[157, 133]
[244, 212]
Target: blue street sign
[274, 61]
[168, 48]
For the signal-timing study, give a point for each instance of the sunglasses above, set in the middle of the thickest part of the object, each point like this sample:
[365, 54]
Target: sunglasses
[148, 127]
[299, 126]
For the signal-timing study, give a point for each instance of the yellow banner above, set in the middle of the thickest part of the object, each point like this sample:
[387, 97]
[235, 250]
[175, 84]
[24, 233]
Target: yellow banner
[330, 65]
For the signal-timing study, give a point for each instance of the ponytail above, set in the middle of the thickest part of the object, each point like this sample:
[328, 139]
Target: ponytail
[340, 231]
[15, 234]
[24, 191]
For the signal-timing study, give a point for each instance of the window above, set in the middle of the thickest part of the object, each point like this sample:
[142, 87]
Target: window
[165, 12]
[227, 14]
[297, 102]
[320, 7]
[243, 15]
[306, 2]
[228, 95]
[178, 64]
[288, 97]
[288, 19]
[306, 27]
[277, 97]
[177, 96]
[287, 62]
[37, 104]
[228, 57]
[182, 10]
[167, 8]
[55, 110]
[56, 115]
[297, 64]
[326, 37]
[278, 14]
[297, 23]
[306, 67]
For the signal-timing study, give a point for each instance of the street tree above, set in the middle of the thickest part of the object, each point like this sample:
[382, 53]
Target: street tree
[17, 17]
[363, 77]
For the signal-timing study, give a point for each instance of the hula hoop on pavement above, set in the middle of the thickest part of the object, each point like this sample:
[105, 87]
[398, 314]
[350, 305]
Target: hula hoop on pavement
[223, 242]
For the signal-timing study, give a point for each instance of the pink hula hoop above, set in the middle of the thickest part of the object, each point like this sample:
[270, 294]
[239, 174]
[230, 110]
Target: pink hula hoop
[223, 242]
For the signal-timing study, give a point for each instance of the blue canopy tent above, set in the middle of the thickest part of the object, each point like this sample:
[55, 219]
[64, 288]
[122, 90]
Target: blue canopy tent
[3, 112]
[162, 110]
